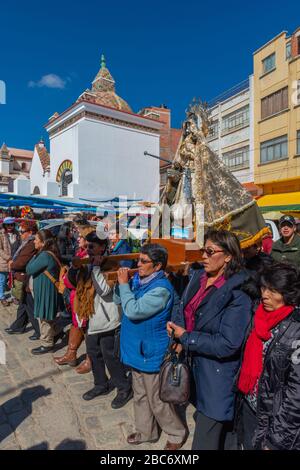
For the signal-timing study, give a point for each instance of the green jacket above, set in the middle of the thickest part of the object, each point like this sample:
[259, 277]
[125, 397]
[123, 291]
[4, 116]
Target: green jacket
[290, 252]
[45, 292]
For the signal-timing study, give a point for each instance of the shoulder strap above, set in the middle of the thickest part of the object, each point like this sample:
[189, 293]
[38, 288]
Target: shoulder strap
[54, 257]
[51, 278]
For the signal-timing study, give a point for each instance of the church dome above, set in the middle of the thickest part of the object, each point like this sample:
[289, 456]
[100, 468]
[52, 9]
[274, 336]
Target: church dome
[103, 90]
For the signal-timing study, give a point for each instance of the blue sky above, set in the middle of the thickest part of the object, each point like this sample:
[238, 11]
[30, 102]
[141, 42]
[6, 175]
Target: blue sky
[157, 51]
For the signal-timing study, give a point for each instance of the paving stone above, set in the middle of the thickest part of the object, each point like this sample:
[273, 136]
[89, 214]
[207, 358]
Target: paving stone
[115, 418]
[45, 407]
[5, 431]
[21, 420]
[93, 423]
[6, 387]
[12, 445]
[109, 438]
[3, 417]
[77, 378]
[13, 405]
[29, 438]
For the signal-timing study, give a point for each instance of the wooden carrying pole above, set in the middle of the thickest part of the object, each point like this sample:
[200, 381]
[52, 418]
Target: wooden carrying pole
[180, 255]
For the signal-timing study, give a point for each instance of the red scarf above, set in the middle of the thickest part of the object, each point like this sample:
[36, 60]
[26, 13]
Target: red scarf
[252, 365]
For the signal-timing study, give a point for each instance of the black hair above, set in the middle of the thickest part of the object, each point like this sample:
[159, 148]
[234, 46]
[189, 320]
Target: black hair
[229, 242]
[285, 279]
[157, 253]
[79, 220]
[49, 242]
[93, 238]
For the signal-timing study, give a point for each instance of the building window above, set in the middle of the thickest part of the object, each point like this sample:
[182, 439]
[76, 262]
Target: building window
[288, 51]
[235, 120]
[213, 130]
[66, 179]
[274, 149]
[269, 63]
[274, 103]
[237, 159]
[36, 190]
[298, 142]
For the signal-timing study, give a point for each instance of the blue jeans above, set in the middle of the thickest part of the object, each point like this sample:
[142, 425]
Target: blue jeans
[3, 279]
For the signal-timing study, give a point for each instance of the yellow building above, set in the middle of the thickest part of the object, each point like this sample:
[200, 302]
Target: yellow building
[277, 117]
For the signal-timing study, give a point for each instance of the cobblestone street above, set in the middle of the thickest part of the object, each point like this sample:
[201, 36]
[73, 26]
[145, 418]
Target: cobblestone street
[41, 405]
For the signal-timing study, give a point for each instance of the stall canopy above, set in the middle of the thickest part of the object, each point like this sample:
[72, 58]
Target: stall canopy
[12, 200]
[282, 202]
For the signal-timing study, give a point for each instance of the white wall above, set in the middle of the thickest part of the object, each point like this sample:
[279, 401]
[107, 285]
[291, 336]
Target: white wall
[64, 146]
[112, 161]
[22, 186]
[36, 175]
[4, 166]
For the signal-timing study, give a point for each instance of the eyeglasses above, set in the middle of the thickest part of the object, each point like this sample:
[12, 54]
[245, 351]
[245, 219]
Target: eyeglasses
[210, 251]
[144, 261]
[23, 231]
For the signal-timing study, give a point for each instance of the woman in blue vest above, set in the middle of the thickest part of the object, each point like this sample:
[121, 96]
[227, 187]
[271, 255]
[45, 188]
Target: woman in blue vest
[147, 302]
[211, 324]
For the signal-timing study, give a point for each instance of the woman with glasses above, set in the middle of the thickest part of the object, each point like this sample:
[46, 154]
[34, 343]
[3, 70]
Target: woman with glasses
[211, 324]
[147, 302]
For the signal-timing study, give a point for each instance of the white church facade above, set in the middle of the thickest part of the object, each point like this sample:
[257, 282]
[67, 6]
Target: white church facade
[96, 150]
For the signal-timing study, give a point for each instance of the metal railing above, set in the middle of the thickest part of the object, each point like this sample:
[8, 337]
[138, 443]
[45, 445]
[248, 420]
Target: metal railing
[229, 93]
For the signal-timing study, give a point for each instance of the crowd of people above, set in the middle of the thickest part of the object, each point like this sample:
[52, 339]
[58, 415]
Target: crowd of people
[235, 315]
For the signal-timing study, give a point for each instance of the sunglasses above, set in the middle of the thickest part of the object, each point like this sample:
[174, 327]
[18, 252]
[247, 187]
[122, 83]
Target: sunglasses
[210, 251]
[23, 231]
[144, 261]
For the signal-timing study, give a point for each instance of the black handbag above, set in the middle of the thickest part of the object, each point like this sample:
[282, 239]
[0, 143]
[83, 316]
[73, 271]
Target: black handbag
[174, 377]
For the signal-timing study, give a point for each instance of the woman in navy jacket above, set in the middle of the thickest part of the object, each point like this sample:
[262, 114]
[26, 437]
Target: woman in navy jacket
[211, 324]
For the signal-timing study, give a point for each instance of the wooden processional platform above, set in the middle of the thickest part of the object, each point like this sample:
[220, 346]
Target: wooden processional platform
[180, 252]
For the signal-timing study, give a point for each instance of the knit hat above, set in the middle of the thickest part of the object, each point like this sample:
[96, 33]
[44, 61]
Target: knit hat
[9, 220]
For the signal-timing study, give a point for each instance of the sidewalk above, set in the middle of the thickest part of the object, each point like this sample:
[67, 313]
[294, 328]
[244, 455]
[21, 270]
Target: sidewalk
[41, 405]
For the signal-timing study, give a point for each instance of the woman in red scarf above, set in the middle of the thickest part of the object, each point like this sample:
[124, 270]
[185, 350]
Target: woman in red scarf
[270, 373]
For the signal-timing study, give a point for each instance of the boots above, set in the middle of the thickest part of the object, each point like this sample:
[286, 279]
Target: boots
[75, 339]
[85, 366]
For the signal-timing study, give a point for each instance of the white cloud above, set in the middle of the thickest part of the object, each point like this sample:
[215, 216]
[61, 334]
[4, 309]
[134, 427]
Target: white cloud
[49, 81]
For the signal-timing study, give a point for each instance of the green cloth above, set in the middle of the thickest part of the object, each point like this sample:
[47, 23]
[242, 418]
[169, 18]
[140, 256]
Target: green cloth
[45, 292]
[290, 252]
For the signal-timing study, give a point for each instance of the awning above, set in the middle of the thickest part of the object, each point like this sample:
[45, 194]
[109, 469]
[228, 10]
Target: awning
[282, 202]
